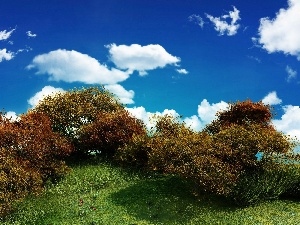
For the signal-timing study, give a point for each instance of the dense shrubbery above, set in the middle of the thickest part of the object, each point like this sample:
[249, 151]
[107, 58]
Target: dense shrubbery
[108, 132]
[221, 159]
[30, 155]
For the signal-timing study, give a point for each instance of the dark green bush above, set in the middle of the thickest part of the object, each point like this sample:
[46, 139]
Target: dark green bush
[265, 184]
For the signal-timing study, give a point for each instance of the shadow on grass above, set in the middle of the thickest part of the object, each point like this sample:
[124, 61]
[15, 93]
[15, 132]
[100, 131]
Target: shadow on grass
[167, 200]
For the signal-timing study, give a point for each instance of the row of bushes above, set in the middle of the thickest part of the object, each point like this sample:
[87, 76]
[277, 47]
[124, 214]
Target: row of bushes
[221, 159]
[34, 148]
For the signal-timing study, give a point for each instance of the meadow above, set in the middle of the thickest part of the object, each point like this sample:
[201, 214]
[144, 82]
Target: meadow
[98, 192]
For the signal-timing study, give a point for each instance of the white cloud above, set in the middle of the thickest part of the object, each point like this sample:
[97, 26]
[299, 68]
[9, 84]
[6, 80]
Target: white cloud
[126, 97]
[207, 112]
[222, 26]
[292, 74]
[182, 71]
[12, 116]
[140, 58]
[4, 35]
[282, 34]
[148, 117]
[73, 66]
[290, 121]
[6, 55]
[47, 90]
[271, 99]
[194, 123]
[30, 34]
[196, 19]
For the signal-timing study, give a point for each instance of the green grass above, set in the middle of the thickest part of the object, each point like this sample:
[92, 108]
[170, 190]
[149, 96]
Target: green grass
[100, 193]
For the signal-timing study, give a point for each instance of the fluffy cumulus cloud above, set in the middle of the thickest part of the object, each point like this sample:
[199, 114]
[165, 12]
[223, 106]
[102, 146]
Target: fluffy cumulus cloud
[290, 121]
[4, 35]
[6, 55]
[282, 34]
[223, 26]
[207, 112]
[47, 90]
[291, 74]
[271, 99]
[73, 66]
[141, 58]
[197, 20]
[125, 97]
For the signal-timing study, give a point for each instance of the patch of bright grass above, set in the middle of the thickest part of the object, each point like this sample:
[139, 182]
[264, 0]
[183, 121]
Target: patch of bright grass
[100, 193]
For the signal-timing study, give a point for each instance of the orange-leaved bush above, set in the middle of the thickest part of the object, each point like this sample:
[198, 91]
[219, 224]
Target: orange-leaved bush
[30, 154]
[109, 131]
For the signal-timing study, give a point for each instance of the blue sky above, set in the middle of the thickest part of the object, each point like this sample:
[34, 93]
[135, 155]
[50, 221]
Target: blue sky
[181, 57]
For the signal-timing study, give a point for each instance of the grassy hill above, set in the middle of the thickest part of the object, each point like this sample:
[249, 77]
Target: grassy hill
[97, 192]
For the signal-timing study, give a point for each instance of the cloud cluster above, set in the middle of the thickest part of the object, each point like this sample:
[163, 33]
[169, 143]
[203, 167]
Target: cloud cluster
[73, 66]
[140, 58]
[206, 114]
[46, 91]
[282, 34]
[271, 99]
[4, 35]
[222, 26]
[12, 116]
[5, 55]
[125, 97]
[290, 121]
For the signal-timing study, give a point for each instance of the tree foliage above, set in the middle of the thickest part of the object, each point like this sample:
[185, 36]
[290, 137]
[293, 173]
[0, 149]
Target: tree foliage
[70, 110]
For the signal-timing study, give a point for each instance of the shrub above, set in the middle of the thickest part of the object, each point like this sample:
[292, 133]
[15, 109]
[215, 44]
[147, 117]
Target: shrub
[135, 153]
[70, 110]
[30, 154]
[265, 184]
[109, 131]
[242, 113]
[241, 132]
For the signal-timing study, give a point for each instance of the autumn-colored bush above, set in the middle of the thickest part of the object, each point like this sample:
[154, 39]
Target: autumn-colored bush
[242, 113]
[109, 131]
[241, 132]
[31, 153]
[222, 159]
[69, 111]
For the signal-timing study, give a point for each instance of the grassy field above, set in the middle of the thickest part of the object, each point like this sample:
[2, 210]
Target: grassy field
[100, 193]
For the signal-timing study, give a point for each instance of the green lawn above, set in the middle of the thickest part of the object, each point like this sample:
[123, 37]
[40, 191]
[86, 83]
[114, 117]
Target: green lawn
[99, 193]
